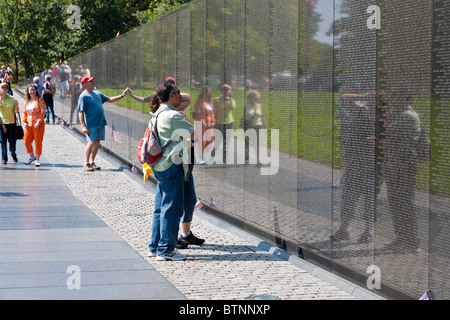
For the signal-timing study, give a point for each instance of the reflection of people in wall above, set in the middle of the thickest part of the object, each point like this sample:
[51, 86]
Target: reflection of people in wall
[382, 110]
[86, 71]
[223, 107]
[346, 113]
[185, 99]
[75, 91]
[203, 111]
[252, 119]
[401, 164]
[359, 160]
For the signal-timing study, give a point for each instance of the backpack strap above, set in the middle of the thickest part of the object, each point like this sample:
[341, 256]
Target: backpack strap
[155, 127]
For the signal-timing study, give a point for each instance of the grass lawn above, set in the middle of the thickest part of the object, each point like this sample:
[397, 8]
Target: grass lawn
[308, 126]
[305, 131]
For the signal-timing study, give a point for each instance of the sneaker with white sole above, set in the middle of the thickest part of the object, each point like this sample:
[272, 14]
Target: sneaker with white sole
[30, 161]
[37, 163]
[172, 256]
[151, 254]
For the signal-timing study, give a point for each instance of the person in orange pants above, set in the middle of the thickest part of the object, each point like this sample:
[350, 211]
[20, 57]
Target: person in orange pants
[34, 120]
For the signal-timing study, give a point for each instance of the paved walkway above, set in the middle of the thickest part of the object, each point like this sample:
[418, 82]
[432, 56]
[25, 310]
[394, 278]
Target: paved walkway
[50, 241]
[58, 216]
[301, 203]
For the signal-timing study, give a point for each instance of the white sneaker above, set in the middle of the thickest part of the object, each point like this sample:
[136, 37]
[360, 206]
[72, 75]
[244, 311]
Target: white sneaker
[37, 163]
[30, 161]
[151, 254]
[172, 256]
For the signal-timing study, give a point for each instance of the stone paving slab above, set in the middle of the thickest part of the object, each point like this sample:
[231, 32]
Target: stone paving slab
[45, 229]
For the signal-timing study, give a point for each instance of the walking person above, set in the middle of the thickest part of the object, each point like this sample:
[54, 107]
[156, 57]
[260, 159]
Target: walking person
[2, 126]
[48, 92]
[39, 86]
[33, 118]
[8, 79]
[93, 120]
[2, 73]
[171, 193]
[8, 108]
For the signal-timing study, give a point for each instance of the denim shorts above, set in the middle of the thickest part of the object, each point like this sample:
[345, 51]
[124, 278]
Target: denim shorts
[96, 134]
[64, 85]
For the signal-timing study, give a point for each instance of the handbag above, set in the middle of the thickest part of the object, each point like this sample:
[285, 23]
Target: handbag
[19, 128]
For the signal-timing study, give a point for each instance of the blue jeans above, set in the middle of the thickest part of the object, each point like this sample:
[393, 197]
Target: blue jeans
[169, 203]
[175, 200]
[50, 110]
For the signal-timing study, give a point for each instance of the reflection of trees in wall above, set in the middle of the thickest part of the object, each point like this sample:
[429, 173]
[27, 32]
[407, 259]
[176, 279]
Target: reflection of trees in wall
[355, 47]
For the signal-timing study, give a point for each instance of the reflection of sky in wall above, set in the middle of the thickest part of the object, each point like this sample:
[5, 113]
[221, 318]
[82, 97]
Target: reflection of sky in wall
[325, 9]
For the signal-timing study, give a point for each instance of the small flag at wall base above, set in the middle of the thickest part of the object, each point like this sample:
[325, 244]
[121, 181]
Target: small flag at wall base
[429, 295]
[115, 134]
[212, 204]
[199, 204]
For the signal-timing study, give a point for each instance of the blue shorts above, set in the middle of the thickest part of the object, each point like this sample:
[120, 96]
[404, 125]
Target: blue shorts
[96, 134]
[64, 85]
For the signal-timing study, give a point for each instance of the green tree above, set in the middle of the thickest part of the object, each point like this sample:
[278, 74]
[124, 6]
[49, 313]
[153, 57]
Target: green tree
[34, 34]
[157, 9]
